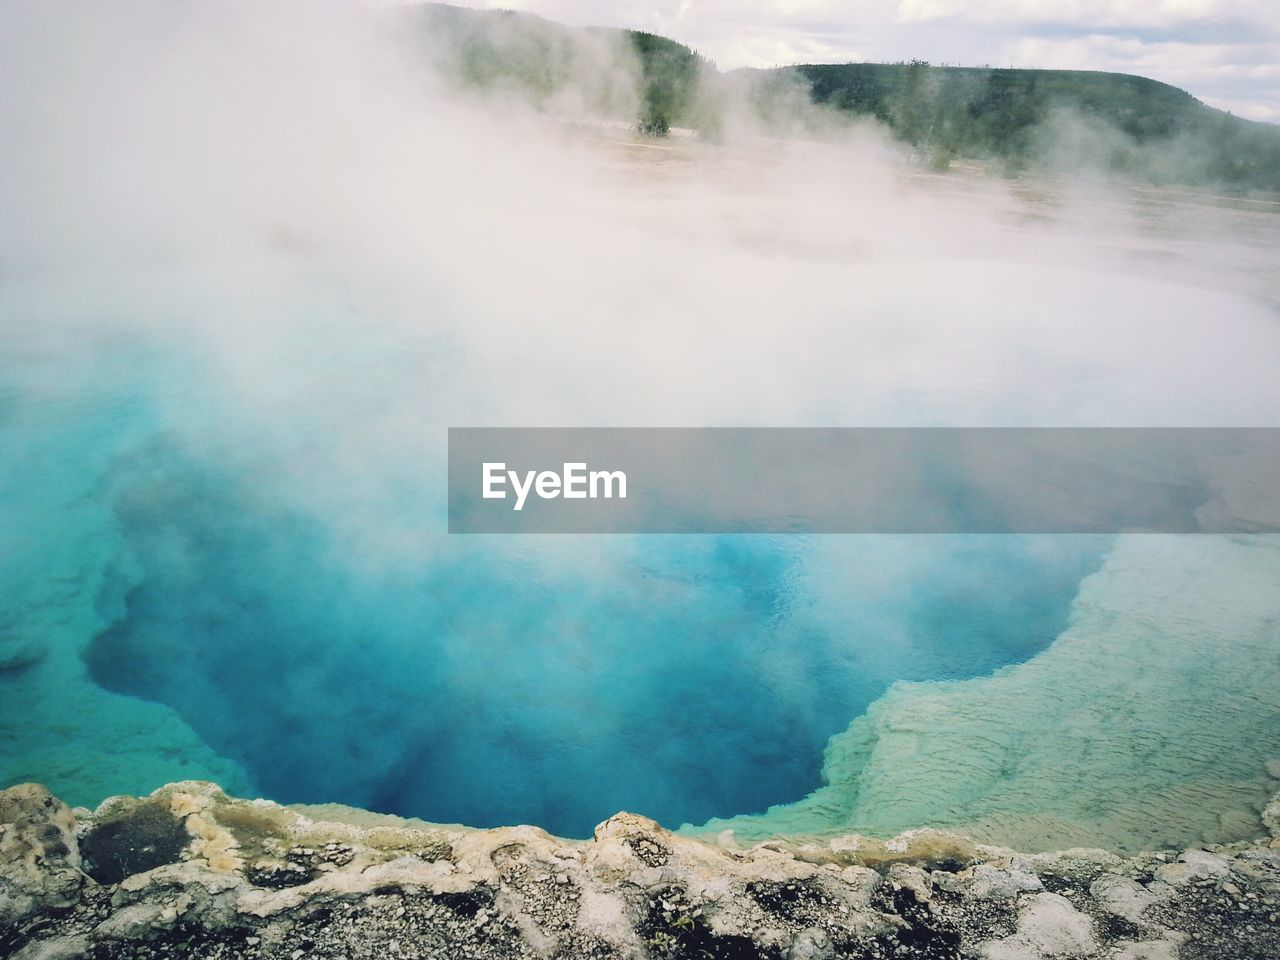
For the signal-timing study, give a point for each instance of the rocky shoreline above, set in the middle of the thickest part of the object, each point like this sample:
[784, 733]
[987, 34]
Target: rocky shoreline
[190, 872]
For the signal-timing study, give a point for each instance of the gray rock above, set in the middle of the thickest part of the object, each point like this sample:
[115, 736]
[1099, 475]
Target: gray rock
[38, 852]
[1122, 897]
[61, 948]
[1048, 926]
[1147, 950]
[906, 877]
[990, 881]
[138, 921]
[863, 882]
[1194, 865]
[811, 944]
[1271, 817]
[262, 881]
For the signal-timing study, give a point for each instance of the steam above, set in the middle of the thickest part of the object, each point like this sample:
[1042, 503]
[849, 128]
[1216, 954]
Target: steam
[292, 249]
[206, 169]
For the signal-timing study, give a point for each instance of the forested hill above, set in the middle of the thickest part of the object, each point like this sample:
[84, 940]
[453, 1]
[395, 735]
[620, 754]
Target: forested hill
[1013, 119]
[1021, 117]
[628, 74]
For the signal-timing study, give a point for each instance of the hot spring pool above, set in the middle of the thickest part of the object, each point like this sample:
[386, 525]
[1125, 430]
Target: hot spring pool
[226, 376]
[205, 601]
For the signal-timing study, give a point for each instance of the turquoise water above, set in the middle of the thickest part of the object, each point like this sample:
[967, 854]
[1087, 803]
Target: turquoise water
[229, 564]
[239, 308]
[552, 680]
[222, 557]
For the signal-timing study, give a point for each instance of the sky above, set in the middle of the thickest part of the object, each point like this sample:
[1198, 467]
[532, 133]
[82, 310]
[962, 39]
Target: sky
[1225, 52]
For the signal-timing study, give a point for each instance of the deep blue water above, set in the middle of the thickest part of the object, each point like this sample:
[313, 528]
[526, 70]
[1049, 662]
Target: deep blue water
[550, 680]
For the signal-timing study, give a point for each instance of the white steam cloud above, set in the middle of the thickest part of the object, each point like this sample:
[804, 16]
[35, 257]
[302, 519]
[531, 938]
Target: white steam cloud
[233, 171]
[347, 253]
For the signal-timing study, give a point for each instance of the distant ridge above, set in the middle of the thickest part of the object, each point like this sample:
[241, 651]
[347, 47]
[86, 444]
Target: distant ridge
[1016, 119]
[1137, 124]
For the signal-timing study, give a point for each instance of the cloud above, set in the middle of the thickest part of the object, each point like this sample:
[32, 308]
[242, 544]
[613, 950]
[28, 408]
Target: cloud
[1215, 49]
[1243, 77]
[1266, 112]
[1095, 14]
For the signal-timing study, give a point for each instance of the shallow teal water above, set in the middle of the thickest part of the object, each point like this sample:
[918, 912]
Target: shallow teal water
[487, 680]
[222, 557]
[238, 311]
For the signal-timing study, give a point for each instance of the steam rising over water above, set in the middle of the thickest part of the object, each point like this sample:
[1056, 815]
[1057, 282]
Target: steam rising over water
[237, 315]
